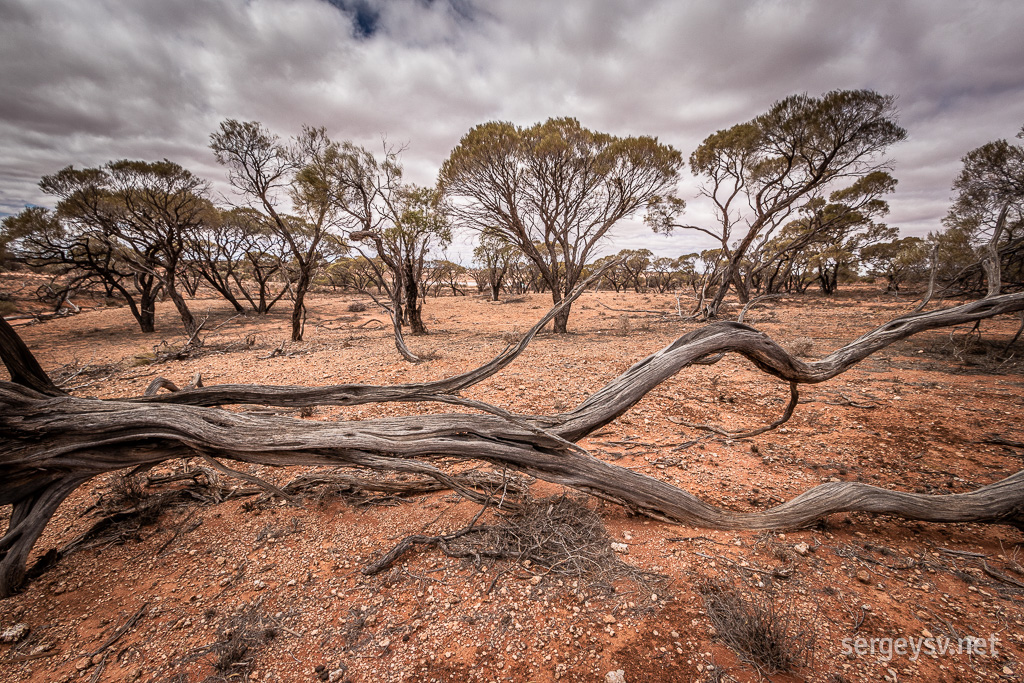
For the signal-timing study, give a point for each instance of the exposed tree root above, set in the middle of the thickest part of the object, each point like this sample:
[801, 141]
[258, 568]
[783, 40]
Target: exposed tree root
[54, 442]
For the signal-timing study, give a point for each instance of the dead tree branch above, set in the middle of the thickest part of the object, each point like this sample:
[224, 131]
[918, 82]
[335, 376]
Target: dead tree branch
[54, 442]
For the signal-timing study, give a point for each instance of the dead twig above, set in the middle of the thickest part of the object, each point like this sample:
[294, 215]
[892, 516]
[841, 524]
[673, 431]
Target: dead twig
[441, 541]
[279, 351]
[794, 398]
[121, 630]
[999, 576]
[224, 469]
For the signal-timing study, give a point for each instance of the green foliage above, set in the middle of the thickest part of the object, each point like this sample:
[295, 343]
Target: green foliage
[992, 179]
[554, 189]
[268, 171]
[986, 219]
[897, 260]
[757, 173]
[123, 224]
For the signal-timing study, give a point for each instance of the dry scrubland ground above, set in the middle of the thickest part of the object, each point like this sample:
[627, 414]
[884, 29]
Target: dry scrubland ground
[255, 589]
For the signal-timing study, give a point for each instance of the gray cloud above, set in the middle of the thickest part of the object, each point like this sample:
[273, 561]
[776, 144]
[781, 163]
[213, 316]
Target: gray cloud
[83, 83]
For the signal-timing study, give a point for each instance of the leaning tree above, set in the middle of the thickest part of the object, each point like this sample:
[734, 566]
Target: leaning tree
[758, 173]
[54, 442]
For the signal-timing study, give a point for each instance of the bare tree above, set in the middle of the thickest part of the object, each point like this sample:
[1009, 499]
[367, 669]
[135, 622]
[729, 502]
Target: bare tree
[399, 223]
[267, 173]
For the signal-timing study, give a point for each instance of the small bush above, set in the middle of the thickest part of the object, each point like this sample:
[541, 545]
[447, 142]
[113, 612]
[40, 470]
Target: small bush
[802, 347]
[562, 535]
[357, 307]
[623, 326]
[761, 627]
[973, 350]
[513, 336]
[239, 641]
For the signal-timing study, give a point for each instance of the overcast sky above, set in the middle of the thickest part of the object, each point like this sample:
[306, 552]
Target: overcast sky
[84, 82]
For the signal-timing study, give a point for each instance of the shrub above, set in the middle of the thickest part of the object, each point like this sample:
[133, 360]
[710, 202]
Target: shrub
[757, 624]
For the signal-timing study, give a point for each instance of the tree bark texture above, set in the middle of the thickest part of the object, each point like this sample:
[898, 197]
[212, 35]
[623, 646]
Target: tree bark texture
[53, 442]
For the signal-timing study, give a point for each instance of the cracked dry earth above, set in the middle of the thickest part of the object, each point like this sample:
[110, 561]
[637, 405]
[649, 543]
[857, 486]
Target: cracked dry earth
[255, 589]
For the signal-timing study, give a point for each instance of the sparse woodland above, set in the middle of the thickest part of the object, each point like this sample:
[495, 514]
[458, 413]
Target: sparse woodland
[798, 194]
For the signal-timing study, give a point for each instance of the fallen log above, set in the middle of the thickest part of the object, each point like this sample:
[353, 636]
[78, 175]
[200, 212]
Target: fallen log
[53, 442]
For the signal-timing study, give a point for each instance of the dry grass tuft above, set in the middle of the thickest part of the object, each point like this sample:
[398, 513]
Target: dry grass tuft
[972, 349]
[559, 534]
[761, 626]
[801, 347]
[238, 642]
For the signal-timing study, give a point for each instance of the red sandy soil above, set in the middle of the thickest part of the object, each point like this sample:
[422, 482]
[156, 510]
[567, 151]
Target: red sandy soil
[914, 417]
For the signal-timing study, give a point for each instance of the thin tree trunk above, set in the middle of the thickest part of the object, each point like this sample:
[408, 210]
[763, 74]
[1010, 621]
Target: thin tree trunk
[991, 264]
[299, 308]
[413, 306]
[187, 319]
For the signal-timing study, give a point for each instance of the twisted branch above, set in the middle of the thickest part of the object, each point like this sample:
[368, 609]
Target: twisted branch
[54, 443]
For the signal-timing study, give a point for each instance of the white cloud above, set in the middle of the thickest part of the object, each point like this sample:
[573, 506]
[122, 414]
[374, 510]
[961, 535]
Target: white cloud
[83, 83]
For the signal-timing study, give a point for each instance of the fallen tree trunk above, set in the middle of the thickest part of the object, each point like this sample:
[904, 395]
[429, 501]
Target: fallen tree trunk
[53, 442]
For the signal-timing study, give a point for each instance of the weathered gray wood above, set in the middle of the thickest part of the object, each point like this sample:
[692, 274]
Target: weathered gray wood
[54, 443]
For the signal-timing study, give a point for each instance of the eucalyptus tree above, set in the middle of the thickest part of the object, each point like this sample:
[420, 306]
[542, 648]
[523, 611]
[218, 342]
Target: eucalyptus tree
[758, 173]
[439, 274]
[554, 189]
[242, 257]
[826, 238]
[78, 260]
[988, 208]
[125, 224]
[216, 251]
[266, 172]
[665, 273]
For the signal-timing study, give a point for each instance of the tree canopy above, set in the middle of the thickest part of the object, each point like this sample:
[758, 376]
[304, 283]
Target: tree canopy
[554, 189]
[757, 173]
[123, 224]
